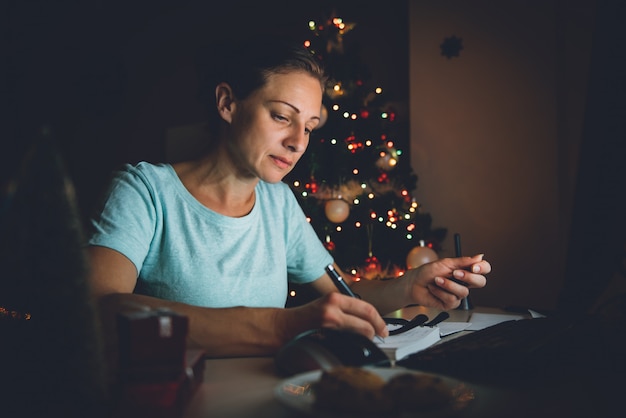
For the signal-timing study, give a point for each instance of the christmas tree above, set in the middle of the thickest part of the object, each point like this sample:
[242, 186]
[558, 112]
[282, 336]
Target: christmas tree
[355, 181]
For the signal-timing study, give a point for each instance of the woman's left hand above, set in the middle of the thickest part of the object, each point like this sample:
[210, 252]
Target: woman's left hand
[444, 282]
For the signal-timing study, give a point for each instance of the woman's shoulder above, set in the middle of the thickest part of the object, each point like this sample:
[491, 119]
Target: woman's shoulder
[146, 171]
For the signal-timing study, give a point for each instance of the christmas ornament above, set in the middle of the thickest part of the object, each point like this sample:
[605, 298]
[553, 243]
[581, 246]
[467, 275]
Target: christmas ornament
[388, 159]
[337, 210]
[329, 244]
[420, 255]
[372, 267]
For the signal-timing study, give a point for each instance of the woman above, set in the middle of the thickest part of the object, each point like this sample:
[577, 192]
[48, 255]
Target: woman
[218, 238]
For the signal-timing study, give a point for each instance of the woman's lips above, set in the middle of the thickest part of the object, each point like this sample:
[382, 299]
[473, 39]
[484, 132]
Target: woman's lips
[281, 162]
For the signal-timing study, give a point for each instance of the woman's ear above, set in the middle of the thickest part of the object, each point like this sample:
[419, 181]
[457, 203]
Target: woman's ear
[225, 100]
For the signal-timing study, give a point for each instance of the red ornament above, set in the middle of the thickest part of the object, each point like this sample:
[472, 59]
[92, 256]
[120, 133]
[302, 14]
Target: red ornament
[372, 264]
[312, 186]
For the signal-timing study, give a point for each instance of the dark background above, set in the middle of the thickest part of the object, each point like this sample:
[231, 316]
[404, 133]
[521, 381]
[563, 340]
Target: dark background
[108, 78]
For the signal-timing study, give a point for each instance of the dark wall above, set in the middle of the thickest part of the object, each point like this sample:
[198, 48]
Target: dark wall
[109, 78]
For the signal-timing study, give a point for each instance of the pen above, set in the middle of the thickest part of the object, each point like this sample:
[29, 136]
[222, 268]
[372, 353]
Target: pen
[340, 282]
[457, 253]
[343, 286]
[466, 304]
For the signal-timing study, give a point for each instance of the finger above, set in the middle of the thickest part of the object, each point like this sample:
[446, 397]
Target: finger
[459, 291]
[467, 279]
[360, 316]
[482, 266]
[445, 299]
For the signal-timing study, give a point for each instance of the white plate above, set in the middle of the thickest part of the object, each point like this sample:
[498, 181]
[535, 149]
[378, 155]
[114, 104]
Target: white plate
[295, 392]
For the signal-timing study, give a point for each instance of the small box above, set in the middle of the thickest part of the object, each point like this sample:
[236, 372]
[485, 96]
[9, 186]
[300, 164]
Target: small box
[152, 344]
[161, 399]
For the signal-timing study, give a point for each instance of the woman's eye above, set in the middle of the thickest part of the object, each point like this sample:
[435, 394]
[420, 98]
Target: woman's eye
[279, 117]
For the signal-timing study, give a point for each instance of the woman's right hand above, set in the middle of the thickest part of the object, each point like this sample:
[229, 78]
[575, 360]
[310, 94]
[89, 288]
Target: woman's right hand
[337, 311]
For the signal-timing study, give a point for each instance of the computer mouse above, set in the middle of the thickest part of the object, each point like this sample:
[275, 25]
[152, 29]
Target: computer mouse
[325, 348]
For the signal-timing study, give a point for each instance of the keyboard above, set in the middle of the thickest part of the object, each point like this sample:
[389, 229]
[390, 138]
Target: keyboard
[517, 348]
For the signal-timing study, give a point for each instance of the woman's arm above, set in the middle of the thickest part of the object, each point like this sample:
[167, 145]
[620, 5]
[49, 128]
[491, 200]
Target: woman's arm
[435, 285]
[228, 332]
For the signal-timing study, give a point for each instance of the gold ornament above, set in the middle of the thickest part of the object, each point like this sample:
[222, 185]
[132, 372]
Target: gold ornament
[420, 255]
[337, 210]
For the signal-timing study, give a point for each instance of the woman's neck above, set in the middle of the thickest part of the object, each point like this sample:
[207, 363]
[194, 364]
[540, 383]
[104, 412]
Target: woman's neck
[216, 188]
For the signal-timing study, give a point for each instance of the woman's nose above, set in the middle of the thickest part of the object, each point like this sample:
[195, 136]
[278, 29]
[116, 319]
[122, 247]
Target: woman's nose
[297, 141]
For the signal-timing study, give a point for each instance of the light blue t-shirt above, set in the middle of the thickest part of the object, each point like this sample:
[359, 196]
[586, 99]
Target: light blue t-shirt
[186, 252]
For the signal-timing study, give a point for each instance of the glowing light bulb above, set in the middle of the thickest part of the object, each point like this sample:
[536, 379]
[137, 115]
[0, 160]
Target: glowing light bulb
[296, 183]
[378, 90]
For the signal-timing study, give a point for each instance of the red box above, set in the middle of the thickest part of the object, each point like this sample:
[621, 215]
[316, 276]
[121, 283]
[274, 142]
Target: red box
[162, 398]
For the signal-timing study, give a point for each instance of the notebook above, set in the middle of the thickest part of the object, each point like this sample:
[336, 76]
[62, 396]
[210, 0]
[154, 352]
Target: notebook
[401, 345]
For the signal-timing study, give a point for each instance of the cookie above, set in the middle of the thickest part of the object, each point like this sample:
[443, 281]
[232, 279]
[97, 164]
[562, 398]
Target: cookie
[351, 390]
[415, 392]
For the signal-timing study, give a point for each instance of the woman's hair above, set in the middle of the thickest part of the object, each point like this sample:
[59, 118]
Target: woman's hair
[245, 67]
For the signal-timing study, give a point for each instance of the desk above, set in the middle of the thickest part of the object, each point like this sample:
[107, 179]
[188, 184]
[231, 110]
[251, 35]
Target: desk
[243, 387]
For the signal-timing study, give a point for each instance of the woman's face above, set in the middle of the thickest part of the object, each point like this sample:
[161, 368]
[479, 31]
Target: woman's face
[270, 129]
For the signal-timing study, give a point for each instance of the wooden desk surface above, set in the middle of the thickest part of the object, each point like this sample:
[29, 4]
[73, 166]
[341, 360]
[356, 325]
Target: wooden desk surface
[243, 387]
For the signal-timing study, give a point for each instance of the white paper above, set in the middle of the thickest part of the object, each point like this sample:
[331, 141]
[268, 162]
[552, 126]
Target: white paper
[484, 320]
[447, 328]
